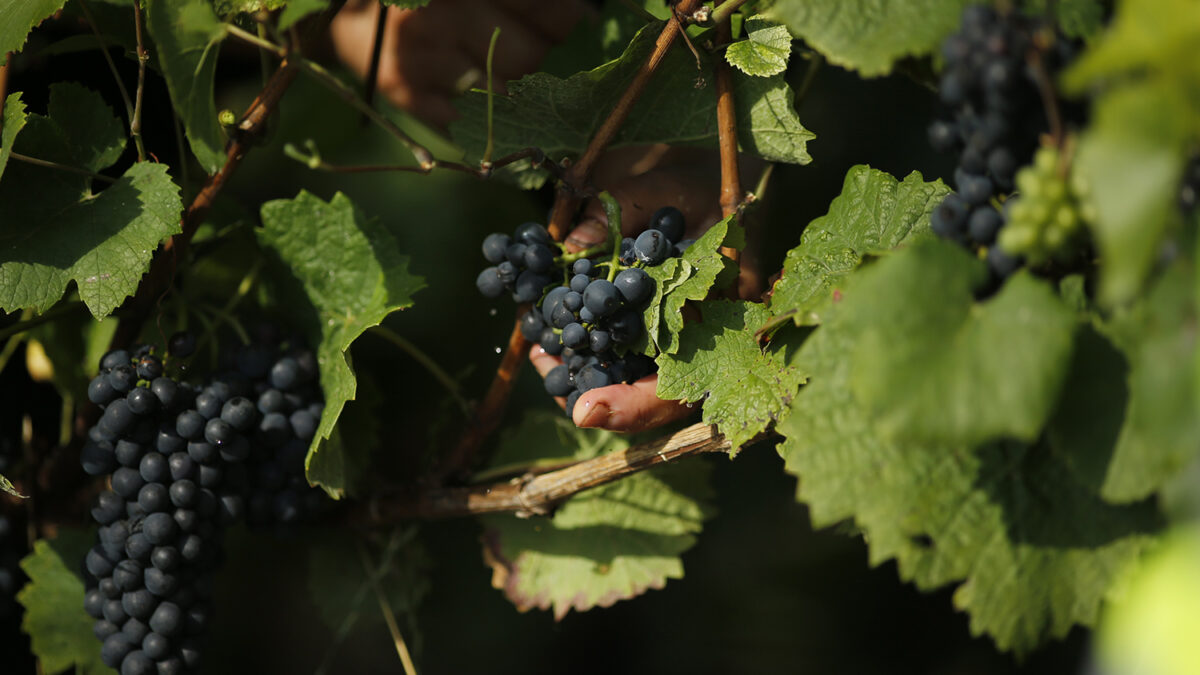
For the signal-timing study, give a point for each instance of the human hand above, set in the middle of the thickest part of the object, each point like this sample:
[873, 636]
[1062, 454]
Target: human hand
[689, 180]
[432, 54]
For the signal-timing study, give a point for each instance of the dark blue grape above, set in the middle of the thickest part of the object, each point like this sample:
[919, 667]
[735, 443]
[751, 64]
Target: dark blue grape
[117, 357]
[627, 256]
[304, 425]
[117, 417]
[114, 610]
[489, 283]
[127, 575]
[109, 507]
[668, 220]
[100, 391]
[949, 218]
[572, 398]
[552, 302]
[271, 400]
[182, 466]
[529, 285]
[159, 528]
[574, 336]
[515, 254]
[533, 233]
[943, 136]
[156, 646]
[96, 563]
[127, 482]
[975, 190]
[626, 327]
[148, 368]
[153, 498]
[634, 285]
[93, 603]
[210, 476]
[166, 391]
[165, 558]
[138, 546]
[97, 458]
[586, 316]
[285, 374]
[582, 266]
[592, 376]
[508, 273]
[190, 425]
[550, 342]
[114, 650]
[539, 258]
[202, 452]
[532, 325]
[558, 381]
[494, 246]
[1001, 263]
[983, 224]
[573, 301]
[579, 282]
[141, 401]
[140, 604]
[599, 340]
[122, 378]
[159, 582]
[129, 453]
[601, 298]
[239, 413]
[208, 404]
[652, 247]
[562, 317]
[274, 430]
[219, 432]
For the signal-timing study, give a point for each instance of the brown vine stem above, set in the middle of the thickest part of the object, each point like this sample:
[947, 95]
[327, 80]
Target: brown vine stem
[540, 494]
[731, 184]
[135, 124]
[162, 269]
[490, 411]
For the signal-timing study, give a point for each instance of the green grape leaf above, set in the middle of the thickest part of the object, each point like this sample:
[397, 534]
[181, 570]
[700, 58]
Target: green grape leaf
[744, 388]
[6, 485]
[1150, 39]
[18, 18]
[406, 4]
[1131, 158]
[704, 268]
[14, 121]
[561, 115]
[873, 214]
[103, 243]
[298, 9]
[338, 583]
[869, 35]
[1161, 434]
[933, 365]
[353, 275]
[765, 50]
[667, 277]
[1036, 551]
[1077, 18]
[60, 632]
[606, 544]
[229, 7]
[95, 137]
[186, 34]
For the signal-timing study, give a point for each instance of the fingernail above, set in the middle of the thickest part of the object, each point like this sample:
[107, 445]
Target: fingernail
[595, 414]
[587, 234]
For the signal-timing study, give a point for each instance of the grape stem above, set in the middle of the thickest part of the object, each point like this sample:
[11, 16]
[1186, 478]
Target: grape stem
[612, 211]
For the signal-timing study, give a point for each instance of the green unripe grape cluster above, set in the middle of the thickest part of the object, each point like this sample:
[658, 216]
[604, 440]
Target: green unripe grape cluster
[1047, 214]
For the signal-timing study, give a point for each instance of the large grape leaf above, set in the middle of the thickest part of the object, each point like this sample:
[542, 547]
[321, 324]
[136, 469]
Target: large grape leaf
[102, 242]
[874, 213]
[606, 544]
[186, 34]
[1161, 434]
[560, 115]
[870, 35]
[1035, 548]
[94, 136]
[17, 18]
[701, 268]
[932, 364]
[13, 122]
[765, 50]
[353, 275]
[60, 632]
[744, 387]
[1076, 18]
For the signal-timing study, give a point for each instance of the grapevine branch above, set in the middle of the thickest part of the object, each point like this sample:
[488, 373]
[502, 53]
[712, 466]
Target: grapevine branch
[539, 494]
[566, 201]
[163, 266]
[731, 185]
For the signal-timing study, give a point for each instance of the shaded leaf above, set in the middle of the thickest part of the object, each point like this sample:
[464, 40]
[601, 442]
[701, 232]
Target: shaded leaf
[14, 121]
[60, 632]
[870, 35]
[298, 9]
[95, 137]
[186, 34]
[1161, 434]
[340, 587]
[744, 388]
[874, 213]
[103, 243]
[353, 274]
[1077, 18]
[606, 544]
[1036, 551]
[18, 17]
[561, 115]
[7, 486]
[932, 364]
[765, 50]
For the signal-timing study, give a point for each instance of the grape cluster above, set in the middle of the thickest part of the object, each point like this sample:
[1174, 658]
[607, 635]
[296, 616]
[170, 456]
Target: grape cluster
[1045, 218]
[184, 462]
[522, 263]
[996, 119]
[592, 317]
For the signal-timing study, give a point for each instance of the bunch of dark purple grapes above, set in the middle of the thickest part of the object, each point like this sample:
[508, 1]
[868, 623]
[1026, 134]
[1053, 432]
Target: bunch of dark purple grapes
[522, 263]
[594, 314]
[184, 462]
[991, 85]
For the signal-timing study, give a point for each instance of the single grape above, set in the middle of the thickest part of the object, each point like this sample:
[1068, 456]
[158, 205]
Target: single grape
[532, 325]
[634, 285]
[494, 247]
[533, 233]
[573, 301]
[579, 282]
[558, 381]
[122, 378]
[582, 266]
[285, 374]
[669, 221]
[984, 223]
[550, 342]
[100, 391]
[592, 376]
[572, 399]
[575, 336]
[652, 247]
[515, 255]
[539, 258]
[529, 285]
[190, 425]
[599, 340]
[601, 298]
[153, 497]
